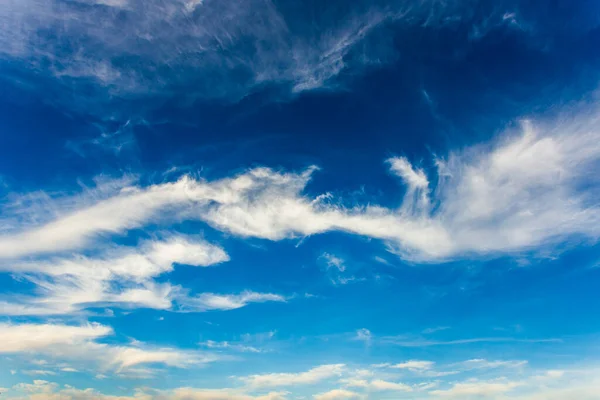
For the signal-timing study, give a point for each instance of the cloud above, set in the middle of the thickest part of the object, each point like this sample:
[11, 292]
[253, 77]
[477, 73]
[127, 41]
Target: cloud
[118, 277]
[225, 394]
[41, 372]
[337, 394]
[377, 385]
[580, 383]
[311, 376]
[111, 208]
[429, 331]
[476, 389]
[247, 343]
[421, 368]
[382, 385]
[486, 201]
[479, 363]
[364, 335]
[210, 344]
[408, 342]
[34, 337]
[211, 301]
[413, 365]
[43, 390]
[79, 344]
[333, 261]
[167, 45]
[335, 268]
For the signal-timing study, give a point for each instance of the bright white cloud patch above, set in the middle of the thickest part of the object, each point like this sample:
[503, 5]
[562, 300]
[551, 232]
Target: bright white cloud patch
[32, 337]
[486, 200]
[311, 376]
[80, 344]
[121, 277]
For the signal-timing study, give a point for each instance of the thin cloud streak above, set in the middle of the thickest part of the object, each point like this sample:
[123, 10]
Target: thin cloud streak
[405, 342]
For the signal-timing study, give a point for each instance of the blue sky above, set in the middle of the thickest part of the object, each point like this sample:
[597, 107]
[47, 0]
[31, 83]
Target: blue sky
[277, 199]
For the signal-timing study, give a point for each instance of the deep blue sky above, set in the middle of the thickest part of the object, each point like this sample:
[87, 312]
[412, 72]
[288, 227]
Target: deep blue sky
[262, 199]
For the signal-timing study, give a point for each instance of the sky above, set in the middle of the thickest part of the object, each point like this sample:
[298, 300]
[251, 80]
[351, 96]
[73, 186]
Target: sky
[299, 199]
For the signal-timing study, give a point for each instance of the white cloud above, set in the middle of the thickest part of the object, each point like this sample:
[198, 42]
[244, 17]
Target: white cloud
[376, 385]
[211, 301]
[486, 201]
[224, 394]
[33, 337]
[78, 220]
[79, 344]
[338, 394]
[479, 363]
[334, 261]
[218, 38]
[336, 269]
[580, 383]
[210, 344]
[416, 199]
[311, 376]
[38, 386]
[476, 389]
[42, 372]
[379, 384]
[418, 342]
[429, 331]
[414, 365]
[125, 357]
[364, 335]
[247, 343]
[119, 277]
[44, 390]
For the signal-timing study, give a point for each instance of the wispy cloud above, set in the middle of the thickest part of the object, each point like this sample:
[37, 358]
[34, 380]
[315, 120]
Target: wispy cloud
[311, 376]
[122, 277]
[210, 49]
[221, 39]
[376, 385]
[211, 301]
[80, 344]
[486, 201]
[38, 372]
[412, 365]
[247, 343]
[417, 342]
[210, 344]
[429, 331]
[477, 388]
[479, 363]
